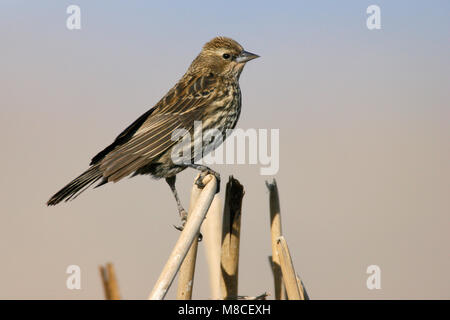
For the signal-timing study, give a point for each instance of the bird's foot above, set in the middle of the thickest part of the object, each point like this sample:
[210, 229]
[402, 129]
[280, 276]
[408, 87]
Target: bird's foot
[203, 174]
[183, 216]
[181, 228]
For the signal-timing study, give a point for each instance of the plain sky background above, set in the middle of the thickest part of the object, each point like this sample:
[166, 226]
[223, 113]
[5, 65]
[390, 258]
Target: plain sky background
[364, 119]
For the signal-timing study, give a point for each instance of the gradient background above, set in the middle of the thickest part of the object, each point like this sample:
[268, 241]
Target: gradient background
[364, 119]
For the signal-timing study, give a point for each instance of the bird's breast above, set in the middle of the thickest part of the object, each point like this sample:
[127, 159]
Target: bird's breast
[225, 110]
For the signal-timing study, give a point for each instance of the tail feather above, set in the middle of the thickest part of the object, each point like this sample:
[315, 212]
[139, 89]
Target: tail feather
[77, 186]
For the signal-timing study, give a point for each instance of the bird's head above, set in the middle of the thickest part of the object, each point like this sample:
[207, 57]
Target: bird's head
[222, 56]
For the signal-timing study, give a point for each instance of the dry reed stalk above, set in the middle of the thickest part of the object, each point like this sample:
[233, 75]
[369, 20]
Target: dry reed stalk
[187, 236]
[109, 280]
[231, 229]
[260, 297]
[287, 269]
[212, 233]
[187, 269]
[275, 232]
[302, 289]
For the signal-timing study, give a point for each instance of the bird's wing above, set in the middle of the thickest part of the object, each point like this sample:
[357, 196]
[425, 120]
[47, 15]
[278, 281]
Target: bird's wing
[183, 104]
[123, 137]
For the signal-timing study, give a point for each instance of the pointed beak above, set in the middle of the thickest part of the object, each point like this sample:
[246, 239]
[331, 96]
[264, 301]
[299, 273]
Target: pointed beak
[246, 56]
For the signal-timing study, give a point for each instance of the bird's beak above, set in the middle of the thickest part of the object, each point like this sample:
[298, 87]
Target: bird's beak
[246, 56]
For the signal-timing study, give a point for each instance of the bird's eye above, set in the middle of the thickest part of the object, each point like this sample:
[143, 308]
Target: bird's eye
[226, 56]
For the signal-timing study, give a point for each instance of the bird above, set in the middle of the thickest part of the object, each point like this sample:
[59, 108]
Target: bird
[208, 92]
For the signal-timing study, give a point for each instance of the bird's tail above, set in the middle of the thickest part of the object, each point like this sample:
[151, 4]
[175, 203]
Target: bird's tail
[77, 186]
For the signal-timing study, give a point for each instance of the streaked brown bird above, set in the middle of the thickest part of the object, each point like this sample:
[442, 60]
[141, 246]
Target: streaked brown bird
[209, 92]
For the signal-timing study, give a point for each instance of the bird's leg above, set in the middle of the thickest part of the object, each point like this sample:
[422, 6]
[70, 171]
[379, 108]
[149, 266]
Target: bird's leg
[181, 211]
[204, 172]
[183, 214]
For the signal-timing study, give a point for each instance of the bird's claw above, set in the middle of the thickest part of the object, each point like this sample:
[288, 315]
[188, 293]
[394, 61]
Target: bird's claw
[183, 215]
[199, 182]
[181, 228]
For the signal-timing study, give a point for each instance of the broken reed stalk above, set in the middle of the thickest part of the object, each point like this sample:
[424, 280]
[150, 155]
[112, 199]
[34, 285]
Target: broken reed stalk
[187, 269]
[109, 280]
[301, 288]
[212, 233]
[260, 297]
[231, 230]
[187, 236]
[287, 269]
[275, 231]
